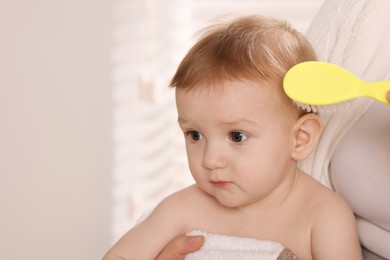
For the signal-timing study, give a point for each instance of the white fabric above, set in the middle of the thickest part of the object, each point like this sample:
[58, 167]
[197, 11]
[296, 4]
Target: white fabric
[356, 36]
[232, 247]
[353, 34]
[360, 168]
[360, 173]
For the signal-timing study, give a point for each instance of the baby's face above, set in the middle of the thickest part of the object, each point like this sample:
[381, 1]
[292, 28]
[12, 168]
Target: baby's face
[239, 141]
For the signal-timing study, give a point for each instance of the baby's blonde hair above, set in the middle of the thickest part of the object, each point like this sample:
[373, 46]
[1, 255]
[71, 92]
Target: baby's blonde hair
[251, 47]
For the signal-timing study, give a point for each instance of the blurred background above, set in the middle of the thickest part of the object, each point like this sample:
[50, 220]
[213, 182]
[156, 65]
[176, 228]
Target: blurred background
[88, 134]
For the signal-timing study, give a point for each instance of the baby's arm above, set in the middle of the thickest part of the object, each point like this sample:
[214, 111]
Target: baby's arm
[147, 239]
[334, 234]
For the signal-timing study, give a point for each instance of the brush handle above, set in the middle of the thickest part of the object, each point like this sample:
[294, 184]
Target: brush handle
[377, 90]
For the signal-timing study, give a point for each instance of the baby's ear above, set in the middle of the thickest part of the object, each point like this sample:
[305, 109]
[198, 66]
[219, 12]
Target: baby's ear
[307, 131]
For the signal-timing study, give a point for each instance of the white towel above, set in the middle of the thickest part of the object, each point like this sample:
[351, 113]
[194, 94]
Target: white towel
[225, 247]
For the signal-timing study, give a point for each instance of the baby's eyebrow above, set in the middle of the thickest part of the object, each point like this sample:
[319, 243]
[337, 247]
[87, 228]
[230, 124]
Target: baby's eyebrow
[235, 122]
[181, 121]
[238, 121]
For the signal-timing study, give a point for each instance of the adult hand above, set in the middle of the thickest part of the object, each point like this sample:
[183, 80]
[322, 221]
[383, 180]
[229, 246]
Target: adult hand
[388, 95]
[178, 247]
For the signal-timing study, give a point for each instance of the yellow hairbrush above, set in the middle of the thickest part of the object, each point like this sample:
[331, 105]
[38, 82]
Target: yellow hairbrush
[321, 83]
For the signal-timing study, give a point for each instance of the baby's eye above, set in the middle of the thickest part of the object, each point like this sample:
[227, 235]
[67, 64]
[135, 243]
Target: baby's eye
[238, 137]
[195, 135]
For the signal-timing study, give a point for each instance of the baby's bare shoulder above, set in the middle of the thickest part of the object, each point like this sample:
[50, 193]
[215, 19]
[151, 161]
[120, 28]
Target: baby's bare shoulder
[323, 198]
[332, 223]
[188, 198]
[316, 203]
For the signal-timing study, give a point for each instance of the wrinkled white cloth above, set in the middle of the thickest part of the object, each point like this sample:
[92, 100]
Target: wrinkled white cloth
[223, 247]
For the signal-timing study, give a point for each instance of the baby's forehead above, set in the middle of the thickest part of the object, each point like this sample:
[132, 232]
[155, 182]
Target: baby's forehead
[219, 87]
[260, 94]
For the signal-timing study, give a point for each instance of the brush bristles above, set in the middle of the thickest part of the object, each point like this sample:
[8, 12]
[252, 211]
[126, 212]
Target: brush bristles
[306, 107]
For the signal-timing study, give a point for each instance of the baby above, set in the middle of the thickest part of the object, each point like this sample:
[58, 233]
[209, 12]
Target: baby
[244, 138]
